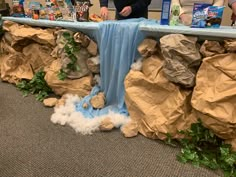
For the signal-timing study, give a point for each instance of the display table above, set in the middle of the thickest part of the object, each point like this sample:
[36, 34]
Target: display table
[118, 42]
[152, 29]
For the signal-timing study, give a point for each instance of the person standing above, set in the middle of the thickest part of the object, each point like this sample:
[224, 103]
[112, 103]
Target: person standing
[186, 8]
[126, 9]
[232, 5]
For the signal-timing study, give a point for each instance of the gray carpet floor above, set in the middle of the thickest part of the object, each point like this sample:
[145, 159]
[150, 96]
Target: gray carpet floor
[31, 146]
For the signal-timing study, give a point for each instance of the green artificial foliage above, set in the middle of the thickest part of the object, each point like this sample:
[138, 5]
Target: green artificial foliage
[175, 12]
[36, 86]
[70, 48]
[62, 75]
[203, 148]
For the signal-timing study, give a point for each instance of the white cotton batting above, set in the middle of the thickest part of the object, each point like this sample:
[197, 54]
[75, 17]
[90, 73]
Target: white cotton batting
[67, 114]
[137, 66]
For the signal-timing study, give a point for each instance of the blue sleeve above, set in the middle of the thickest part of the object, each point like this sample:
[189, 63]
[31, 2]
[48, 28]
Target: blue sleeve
[103, 3]
[231, 2]
[140, 4]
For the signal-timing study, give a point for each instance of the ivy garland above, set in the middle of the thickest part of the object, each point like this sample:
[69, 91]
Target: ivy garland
[70, 48]
[202, 147]
[37, 85]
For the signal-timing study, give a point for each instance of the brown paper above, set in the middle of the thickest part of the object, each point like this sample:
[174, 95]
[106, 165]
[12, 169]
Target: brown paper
[82, 56]
[230, 45]
[92, 48]
[211, 48]
[80, 87]
[106, 124]
[38, 56]
[214, 95]
[130, 129]
[98, 101]
[50, 102]
[147, 47]
[182, 58]
[14, 67]
[5, 47]
[22, 35]
[60, 42]
[82, 39]
[157, 105]
[94, 64]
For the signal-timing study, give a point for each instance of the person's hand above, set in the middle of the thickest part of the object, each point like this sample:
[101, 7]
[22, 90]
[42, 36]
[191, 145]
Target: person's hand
[126, 11]
[104, 13]
[185, 19]
[234, 8]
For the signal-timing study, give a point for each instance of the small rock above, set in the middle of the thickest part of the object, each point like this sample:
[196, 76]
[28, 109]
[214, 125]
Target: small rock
[82, 39]
[50, 102]
[148, 47]
[98, 101]
[130, 129]
[85, 105]
[106, 125]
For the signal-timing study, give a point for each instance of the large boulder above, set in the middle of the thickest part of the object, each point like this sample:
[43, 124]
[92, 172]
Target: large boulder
[182, 58]
[19, 36]
[80, 87]
[15, 67]
[214, 96]
[158, 106]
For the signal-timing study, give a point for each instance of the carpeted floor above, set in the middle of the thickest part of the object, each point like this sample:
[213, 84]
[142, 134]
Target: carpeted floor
[31, 146]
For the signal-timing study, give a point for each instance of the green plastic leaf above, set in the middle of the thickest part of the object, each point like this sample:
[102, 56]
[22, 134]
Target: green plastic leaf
[66, 35]
[61, 75]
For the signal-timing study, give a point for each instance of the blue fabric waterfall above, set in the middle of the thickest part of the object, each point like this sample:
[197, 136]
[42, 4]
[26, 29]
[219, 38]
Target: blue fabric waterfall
[118, 42]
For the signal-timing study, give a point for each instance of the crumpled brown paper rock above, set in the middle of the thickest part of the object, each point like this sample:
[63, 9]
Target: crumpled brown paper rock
[230, 45]
[210, 48]
[182, 58]
[92, 48]
[94, 64]
[98, 101]
[38, 56]
[5, 46]
[21, 35]
[60, 42]
[82, 39]
[147, 47]
[80, 87]
[157, 105]
[214, 96]
[14, 67]
[82, 55]
[50, 102]
[130, 129]
[106, 124]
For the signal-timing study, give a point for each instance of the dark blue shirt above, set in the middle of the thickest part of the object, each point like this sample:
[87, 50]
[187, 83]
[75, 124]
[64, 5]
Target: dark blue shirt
[139, 7]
